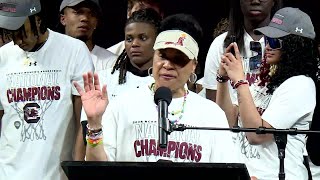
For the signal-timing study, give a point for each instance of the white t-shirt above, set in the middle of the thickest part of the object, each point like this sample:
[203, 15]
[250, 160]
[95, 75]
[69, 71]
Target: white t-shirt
[102, 58]
[203, 91]
[315, 171]
[130, 127]
[38, 124]
[115, 89]
[291, 106]
[117, 49]
[213, 60]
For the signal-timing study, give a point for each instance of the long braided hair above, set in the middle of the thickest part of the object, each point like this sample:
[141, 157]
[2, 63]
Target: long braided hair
[147, 15]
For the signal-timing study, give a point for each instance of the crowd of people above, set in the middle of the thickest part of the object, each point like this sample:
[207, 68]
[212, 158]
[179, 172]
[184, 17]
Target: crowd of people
[64, 98]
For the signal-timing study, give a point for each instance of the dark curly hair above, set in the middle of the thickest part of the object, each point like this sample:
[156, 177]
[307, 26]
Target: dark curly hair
[299, 57]
[147, 15]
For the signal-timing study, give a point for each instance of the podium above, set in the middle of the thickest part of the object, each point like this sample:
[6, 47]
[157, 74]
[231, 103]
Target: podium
[76, 170]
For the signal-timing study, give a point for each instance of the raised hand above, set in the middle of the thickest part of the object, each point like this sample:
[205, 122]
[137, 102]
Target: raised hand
[233, 64]
[94, 100]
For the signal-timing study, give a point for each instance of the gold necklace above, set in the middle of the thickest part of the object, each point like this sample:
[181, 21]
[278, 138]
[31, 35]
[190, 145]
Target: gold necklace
[28, 61]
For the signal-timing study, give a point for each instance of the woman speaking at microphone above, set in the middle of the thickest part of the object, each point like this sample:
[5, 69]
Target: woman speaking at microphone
[126, 129]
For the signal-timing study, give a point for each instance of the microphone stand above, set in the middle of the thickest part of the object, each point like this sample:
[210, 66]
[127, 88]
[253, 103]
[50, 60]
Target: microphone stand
[280, 136]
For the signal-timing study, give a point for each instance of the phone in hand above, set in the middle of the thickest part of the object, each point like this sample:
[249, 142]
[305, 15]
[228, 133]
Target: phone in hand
[232, 39]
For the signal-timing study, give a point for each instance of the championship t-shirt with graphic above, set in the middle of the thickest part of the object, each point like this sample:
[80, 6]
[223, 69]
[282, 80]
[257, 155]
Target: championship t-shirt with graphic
[36, 96]
[130, 126]
[282, 110]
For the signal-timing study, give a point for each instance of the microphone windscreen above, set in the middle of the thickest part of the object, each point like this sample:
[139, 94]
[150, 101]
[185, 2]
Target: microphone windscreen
[163, 93]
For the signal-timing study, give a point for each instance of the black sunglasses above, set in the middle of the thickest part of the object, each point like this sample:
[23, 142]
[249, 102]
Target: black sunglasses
[255, 61]
[274, 43]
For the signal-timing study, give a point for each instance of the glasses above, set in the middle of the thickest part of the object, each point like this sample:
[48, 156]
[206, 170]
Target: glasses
[274, 43]
[255, 61]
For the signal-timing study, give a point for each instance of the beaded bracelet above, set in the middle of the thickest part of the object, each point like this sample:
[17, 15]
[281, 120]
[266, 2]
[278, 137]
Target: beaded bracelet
[94, 142]
[239, 83]
[93, 130]
[94, 136]
[220, 78]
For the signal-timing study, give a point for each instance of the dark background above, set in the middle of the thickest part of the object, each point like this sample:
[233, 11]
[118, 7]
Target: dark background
[207, 12]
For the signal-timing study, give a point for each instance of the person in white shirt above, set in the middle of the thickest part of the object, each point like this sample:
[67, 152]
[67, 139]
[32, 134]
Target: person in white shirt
[126, 129]
[80, 19]
[199, 88]
[132, 68]
[135, 5]
[244, 17]
[39, 106]
[283, 98]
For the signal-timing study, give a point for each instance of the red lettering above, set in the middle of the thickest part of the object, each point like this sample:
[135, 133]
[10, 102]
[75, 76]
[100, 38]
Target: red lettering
[161, 151]
[149, 147]
[276, 20]
[43, 92]
[34, 92]
[57, 93]
[19, 95]
[183, 150]
[9, 96]
[176, 154]
[50, 93]
[191, 152]
[171, 146]
[198, 154]
[135, 145]
[27, 94]
[144, 147]
[153, 147]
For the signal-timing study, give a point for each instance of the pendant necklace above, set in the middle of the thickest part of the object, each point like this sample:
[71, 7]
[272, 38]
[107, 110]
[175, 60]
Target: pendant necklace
[29, 61]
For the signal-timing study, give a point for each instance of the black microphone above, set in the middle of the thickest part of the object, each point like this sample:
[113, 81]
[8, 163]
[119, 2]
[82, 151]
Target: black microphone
[163, 97]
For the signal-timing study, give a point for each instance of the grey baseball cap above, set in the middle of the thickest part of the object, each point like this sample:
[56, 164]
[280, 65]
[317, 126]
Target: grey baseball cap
[287, 21]
[13, 13]
[70, 3]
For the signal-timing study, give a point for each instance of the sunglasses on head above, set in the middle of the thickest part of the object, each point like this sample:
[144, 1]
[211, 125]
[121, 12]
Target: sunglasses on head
[274, 43]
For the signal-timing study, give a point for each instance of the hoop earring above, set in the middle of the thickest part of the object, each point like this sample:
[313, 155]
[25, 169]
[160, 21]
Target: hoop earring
[193, 78]
[150, 72]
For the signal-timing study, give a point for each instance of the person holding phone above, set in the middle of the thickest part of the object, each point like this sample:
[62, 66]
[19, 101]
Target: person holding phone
[244, 17]
[283, 98]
